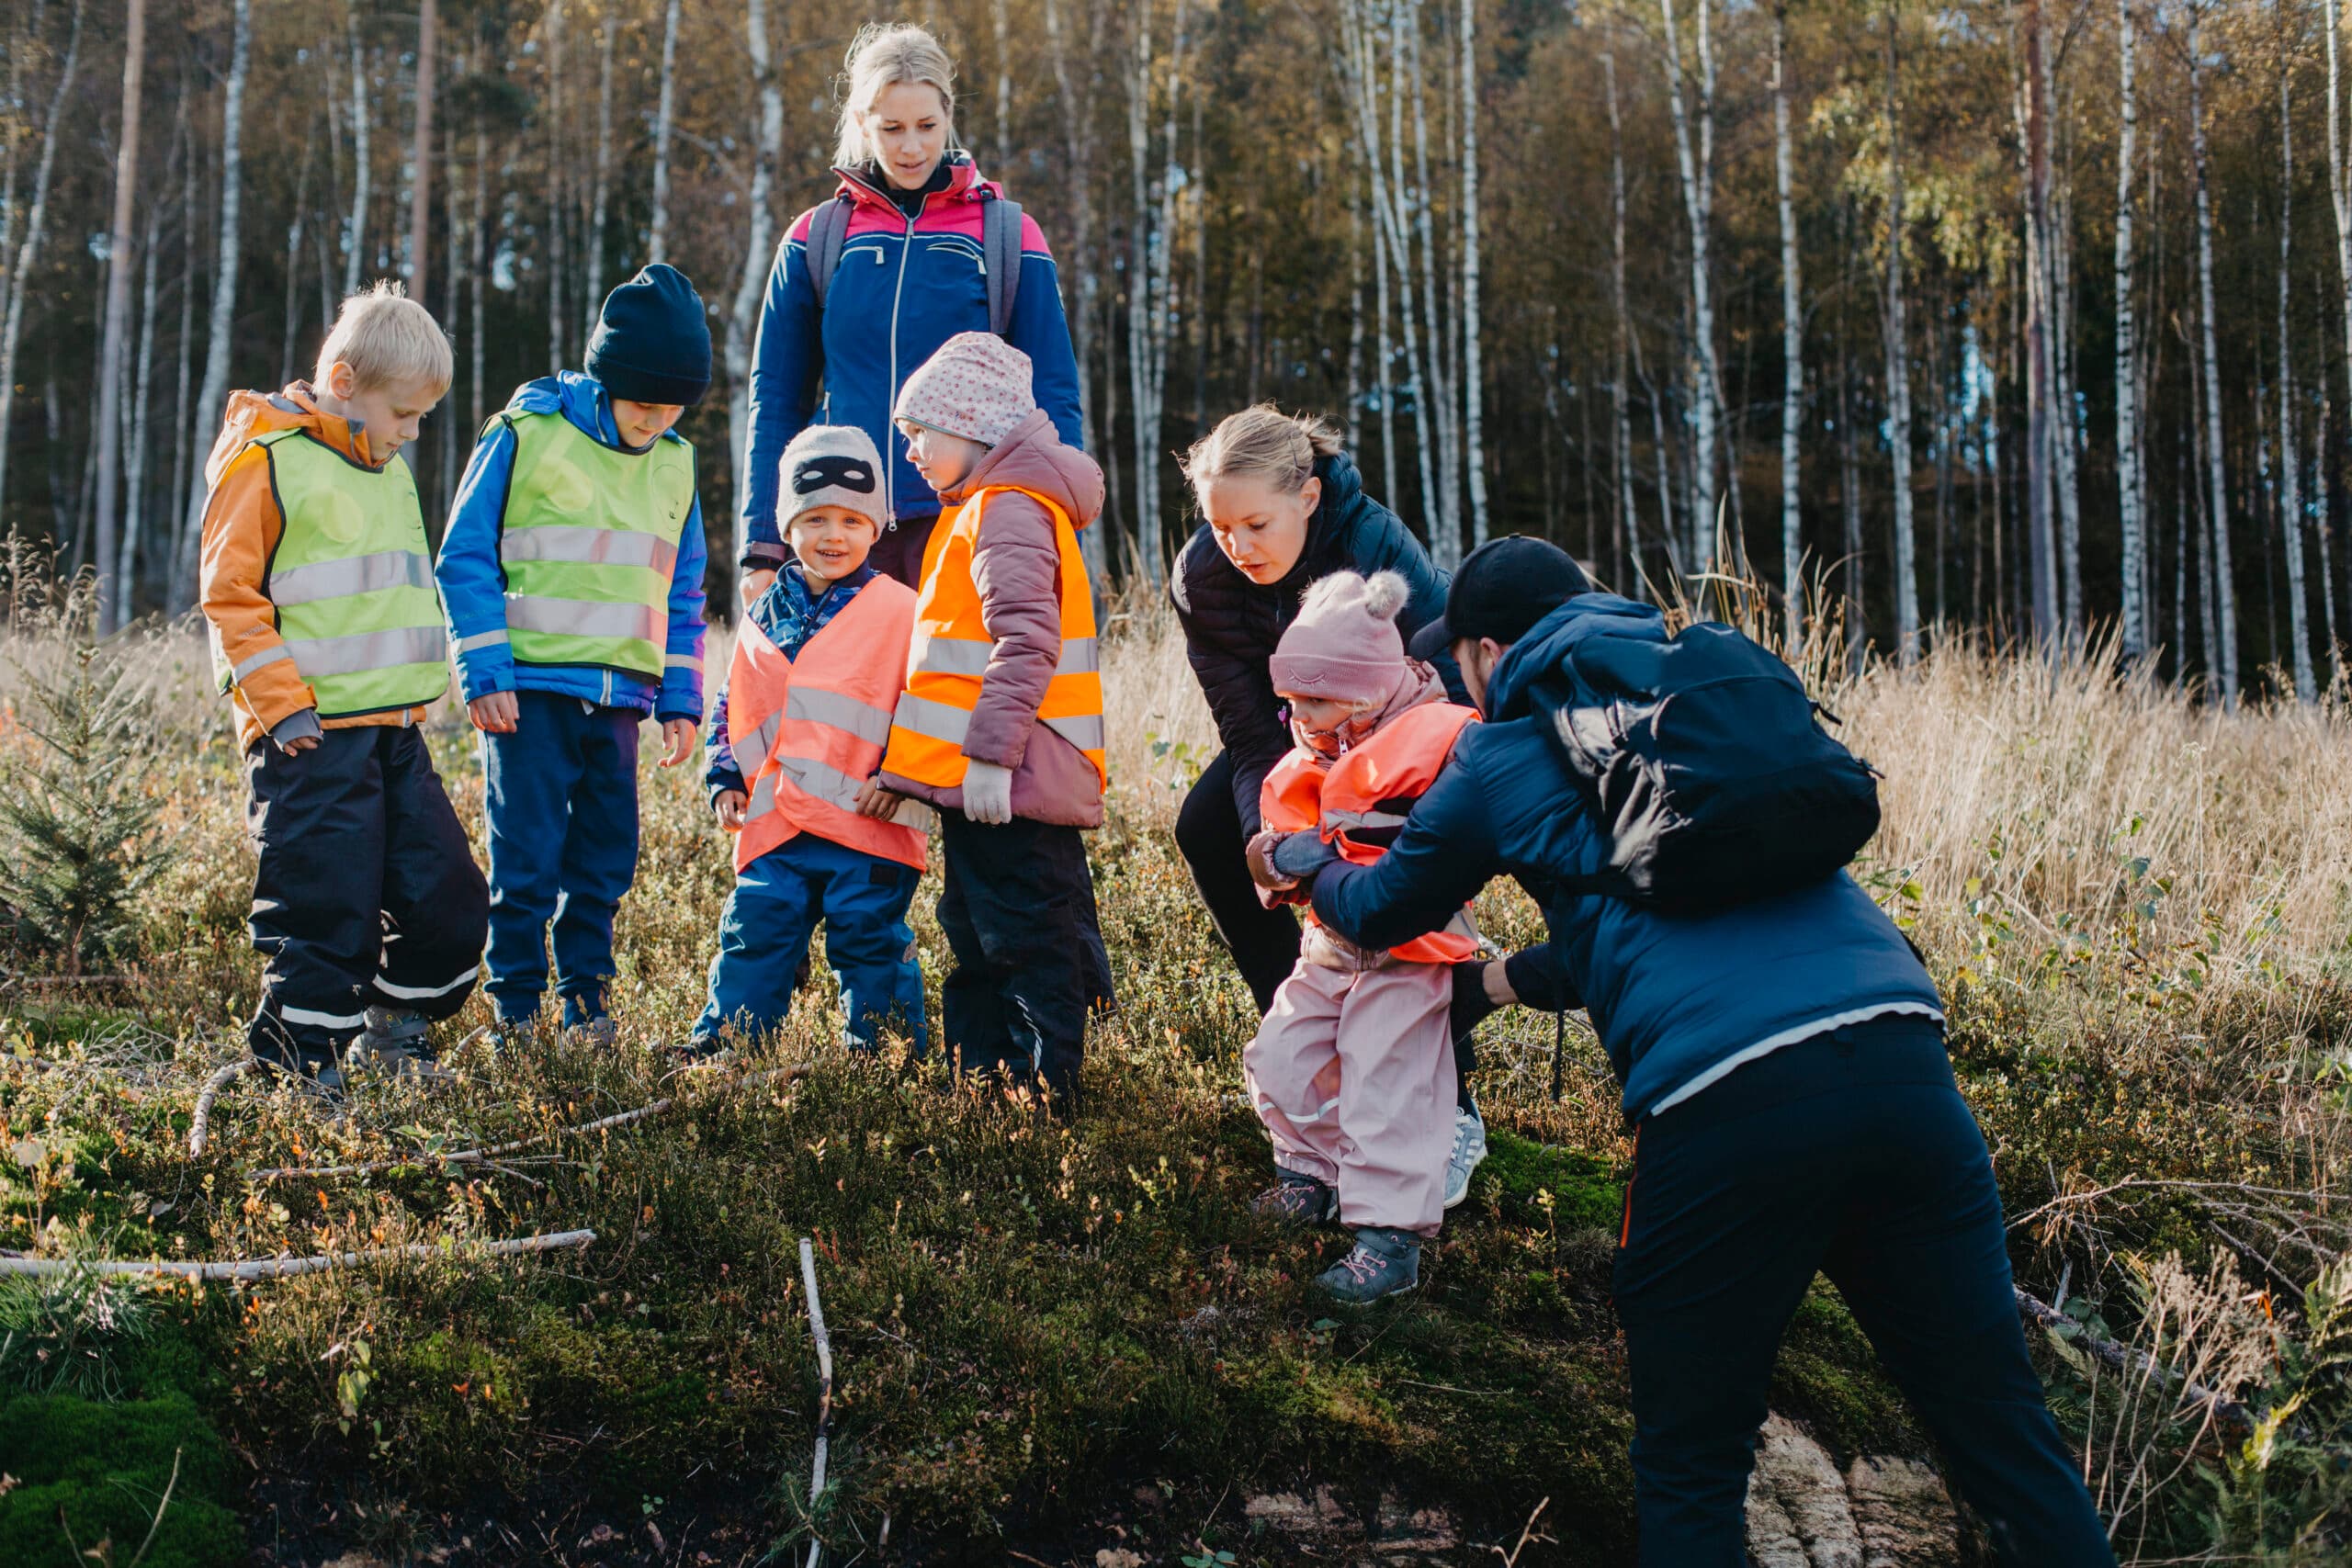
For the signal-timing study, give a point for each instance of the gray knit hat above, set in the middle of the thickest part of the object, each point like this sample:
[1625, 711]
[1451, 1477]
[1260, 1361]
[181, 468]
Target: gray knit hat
[829, 465]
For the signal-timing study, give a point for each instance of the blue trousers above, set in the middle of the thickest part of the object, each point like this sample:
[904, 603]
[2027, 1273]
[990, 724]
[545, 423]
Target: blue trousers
[764, 940]
[1853, 1155]
[563, 809]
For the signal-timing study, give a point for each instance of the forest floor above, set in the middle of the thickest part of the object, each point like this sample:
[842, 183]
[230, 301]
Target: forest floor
[1072, 1344]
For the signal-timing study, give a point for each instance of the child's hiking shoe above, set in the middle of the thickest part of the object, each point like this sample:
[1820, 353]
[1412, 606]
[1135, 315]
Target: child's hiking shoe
[1297, 1200]
[1384, 1262]
[1469, 1149]
[698, 1052]
[393, 1043]
[586, 1021]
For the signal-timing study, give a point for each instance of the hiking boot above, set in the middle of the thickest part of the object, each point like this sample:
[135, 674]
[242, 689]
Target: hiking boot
[1297, 1200]
[699, 1053]
[393, 1043]
[1469, 1149]
[1384, 1262]
[599, 1031]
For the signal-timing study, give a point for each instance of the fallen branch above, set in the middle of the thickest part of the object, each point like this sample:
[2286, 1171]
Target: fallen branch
[199, 1127]
[496, 1152]
[18, 977]
[2131, 1361]
[824, 1389]
[280, 1267]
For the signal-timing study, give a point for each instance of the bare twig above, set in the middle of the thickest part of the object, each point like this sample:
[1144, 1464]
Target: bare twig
[2133, 1362]
[280, 1267]
[199, 1127]
[1526, 1531]
[162, 1507]
[824, 1389]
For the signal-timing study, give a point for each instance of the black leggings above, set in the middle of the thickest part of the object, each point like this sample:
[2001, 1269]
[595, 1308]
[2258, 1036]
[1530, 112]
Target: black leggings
[1264, 943]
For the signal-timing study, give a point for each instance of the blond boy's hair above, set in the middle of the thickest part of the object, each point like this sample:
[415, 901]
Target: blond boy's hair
[388, 339]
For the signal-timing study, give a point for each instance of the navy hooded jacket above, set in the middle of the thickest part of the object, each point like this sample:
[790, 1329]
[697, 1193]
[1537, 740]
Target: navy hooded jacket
[1678, 1001]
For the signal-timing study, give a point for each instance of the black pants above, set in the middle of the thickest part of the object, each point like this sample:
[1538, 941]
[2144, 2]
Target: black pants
[1264, 941]
[1018, 910]
[366, 892]
[1852, 1155]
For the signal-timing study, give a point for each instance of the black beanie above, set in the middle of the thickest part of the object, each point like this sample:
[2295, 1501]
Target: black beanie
[651, 343]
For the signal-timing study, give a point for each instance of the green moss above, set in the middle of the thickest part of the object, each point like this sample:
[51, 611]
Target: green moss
[103, 1470]
[1830, 1377]
[1584, 1193]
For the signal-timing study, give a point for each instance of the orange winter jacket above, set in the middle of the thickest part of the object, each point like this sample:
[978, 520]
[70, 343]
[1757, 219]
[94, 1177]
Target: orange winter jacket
[242, 525]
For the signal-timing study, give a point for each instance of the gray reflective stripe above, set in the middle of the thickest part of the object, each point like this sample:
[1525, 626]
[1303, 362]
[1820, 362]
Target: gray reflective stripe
[760, 742]
[582, 544]
[353, 574]
[762, 799]
[1083, 731]
[834, 786]
[363, 651]
[483, 640]
[267, 656]
[583, 617]
[937, 720]
[845, 713]
[683, 662]
[322, 1020]
[1362, 818]
[426, 993]
[971, 656]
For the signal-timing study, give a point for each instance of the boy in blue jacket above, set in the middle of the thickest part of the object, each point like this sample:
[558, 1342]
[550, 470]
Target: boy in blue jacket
[573, 576]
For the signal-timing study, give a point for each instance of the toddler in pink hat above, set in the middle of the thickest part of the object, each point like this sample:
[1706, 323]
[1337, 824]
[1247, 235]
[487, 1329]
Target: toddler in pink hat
[1352, 1069]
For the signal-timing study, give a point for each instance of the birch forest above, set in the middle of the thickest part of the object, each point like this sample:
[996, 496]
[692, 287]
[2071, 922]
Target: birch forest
[2024, 320]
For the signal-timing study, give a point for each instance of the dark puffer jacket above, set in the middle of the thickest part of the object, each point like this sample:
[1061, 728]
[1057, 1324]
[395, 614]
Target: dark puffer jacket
[1231, 624]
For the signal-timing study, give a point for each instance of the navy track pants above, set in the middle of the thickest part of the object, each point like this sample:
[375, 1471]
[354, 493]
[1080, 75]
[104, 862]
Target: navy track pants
[773, 911]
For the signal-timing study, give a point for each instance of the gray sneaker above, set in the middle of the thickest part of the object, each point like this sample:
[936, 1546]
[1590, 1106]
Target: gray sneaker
[1299, 1200]
[1469, 1149]
[599, 1031]
[393, 1043]
[1383, 1263]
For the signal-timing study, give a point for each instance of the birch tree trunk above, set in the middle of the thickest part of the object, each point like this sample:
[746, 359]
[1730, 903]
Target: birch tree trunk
[1078, 130]
[122, 258]
[214, 390]
[1697, 175]
[2225, 614]
[452, 293]
[22, 30]
[1849, 470]
[1791, 339]
[664, 119]
[2040, 542]
[558, 264]
[1898, 376]
[1003, 86]
[420, 193]
[2133, 629]
[1385, 352]
[28, 248]
[2290, 494]
[759, 247]
[362, 168]
[1445, 521]
[1149, 279]
[183, 437]
[1473, 365]
[136, 492]
[2067, 431]
[296, 231]
[2323, 506]
[1629, 532]
[592, 302]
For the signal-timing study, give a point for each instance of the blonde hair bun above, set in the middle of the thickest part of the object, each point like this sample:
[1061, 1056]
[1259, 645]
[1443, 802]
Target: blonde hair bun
[1262, 443]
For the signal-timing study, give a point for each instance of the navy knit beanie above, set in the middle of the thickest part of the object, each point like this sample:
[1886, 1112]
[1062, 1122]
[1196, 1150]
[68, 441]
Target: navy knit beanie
[651, 343]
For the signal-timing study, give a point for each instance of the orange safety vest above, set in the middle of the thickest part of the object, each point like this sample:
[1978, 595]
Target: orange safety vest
[808, 733]
[952, 647]
[1366, 788]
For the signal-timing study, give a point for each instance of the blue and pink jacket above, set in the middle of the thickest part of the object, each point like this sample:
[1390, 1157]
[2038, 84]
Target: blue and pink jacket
[901, 288]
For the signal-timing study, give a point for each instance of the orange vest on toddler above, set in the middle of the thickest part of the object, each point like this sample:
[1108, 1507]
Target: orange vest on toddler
[1371, 788]
[809, 732]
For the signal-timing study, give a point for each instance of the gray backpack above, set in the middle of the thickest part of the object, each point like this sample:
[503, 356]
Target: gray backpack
[999, 253]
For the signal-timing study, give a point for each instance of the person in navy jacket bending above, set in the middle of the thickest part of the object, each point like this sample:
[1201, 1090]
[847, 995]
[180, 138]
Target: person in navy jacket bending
[1784, 1067]
[910, 275]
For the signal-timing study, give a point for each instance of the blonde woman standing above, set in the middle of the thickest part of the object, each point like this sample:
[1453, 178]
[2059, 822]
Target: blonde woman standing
[913, 248]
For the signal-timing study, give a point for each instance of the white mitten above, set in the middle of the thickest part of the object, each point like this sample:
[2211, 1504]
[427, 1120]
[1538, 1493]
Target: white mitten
[987, 792]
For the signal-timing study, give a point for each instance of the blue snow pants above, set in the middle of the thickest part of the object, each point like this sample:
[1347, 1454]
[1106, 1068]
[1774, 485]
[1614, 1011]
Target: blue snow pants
[764, 939]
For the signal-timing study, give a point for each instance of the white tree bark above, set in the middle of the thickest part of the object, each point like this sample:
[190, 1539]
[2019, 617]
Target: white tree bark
[214, 390]
[2133, 629]
[1003, 25]
[559, 149]
[1149, 278]
[355, 239]
[122, 258]
[592, 302]
[36, 222]
[1078, 130]
[1697, 175]
[2067, 434]
[664, 120]
[136, 490]
[2040, 538]
[2224, 661]
[1445, 525]
[2291, 492]
[420, 191]
[1898, 375]
[759, 246]
[1473, 395]
[1792, 342]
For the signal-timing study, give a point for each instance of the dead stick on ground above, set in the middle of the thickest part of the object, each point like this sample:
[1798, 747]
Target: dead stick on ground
[280, 1267]
[824, 1388]
[2133, 1362]
[199, 1127]
[499, 1151]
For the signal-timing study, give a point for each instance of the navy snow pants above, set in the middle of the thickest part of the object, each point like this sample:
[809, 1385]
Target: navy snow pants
[773, 911]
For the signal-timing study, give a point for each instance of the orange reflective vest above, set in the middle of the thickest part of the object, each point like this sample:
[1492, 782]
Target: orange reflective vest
[1372, 787]
[952, 647]
[808, 733]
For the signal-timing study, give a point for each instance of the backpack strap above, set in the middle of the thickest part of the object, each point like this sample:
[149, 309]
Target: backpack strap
[828, 231]
[1001, 254]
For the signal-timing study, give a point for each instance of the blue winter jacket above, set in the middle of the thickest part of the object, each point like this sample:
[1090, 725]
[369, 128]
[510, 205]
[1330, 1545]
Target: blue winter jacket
[1679, 1000]
[473, 583]
[901, 289]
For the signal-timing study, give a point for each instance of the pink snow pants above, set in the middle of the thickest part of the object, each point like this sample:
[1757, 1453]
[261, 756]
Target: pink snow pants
[1353, 1074]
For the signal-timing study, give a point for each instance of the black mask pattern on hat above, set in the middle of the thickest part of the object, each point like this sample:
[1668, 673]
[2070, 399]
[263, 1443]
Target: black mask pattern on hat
[813, 473]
